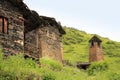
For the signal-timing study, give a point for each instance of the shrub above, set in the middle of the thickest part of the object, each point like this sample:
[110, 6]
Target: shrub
[97, 67]
[16, 67]
[5, 75]
[48, 76]
[113, 76]
[54, 65]
[110, 42]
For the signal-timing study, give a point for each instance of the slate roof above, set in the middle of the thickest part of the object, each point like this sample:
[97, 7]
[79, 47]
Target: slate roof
[33, 17]
[95, 39]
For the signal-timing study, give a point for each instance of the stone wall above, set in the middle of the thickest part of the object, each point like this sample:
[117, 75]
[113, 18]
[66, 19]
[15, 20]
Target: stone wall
[96, 53]
[31, 44]
[50, 41]
[44, 42]
[13, 40]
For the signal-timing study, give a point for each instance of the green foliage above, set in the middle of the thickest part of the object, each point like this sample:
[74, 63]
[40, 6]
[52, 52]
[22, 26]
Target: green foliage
[48, 66]
[97, 67]
[52, 64]
[53, 70]
[78, 52]
[112, 48]
[73, 36]
[16, 67]
[114, 76]
[48, 76]
[75, 46]
[78, 49]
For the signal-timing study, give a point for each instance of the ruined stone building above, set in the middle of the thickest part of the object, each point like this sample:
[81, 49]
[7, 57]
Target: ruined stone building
[95, 52]
[24, 31]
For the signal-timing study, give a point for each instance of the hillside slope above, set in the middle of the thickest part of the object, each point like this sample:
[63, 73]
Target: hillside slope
[76, 46]
[76, 49]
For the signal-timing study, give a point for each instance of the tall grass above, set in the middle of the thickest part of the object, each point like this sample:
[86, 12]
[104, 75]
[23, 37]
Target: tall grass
[16, 67]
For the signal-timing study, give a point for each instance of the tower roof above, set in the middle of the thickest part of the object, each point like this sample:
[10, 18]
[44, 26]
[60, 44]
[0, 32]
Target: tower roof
[95, 39]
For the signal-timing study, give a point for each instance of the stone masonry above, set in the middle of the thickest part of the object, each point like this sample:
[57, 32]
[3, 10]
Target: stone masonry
[11, 29]
[24, 31]
[95, 52]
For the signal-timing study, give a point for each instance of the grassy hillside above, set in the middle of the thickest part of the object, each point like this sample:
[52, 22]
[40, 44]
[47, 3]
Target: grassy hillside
[76, 48]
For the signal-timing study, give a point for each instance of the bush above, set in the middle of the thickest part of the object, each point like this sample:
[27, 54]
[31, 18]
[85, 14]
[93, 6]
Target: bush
[97, 67]
[110, 42]
[54, 65]
[48, 76]
[16, 67]
[113, 76]
[49, 67]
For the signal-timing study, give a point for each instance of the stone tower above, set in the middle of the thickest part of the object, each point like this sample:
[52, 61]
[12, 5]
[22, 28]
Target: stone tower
[95, 52]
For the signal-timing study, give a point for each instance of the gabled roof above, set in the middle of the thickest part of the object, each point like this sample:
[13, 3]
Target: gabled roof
[51, 21]
[95, 39]
[33, 17]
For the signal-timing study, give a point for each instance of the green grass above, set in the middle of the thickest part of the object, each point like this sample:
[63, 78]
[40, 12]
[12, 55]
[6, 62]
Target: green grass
[78, 52]
[16, 67]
